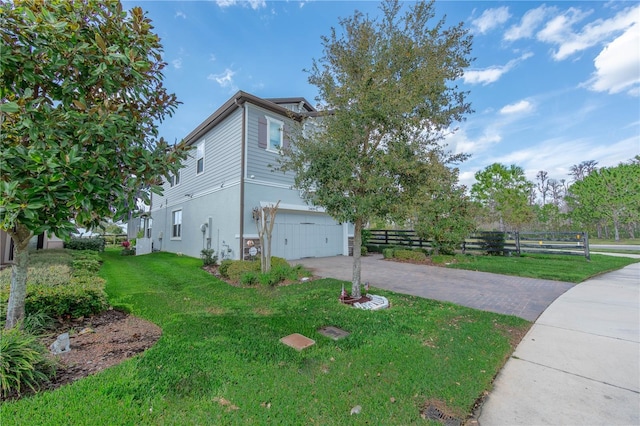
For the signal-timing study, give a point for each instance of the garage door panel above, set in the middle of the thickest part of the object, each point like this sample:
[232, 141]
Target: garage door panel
[300, 234]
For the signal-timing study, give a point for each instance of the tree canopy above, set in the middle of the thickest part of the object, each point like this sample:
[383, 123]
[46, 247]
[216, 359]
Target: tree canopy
[387, 89]
[81, 96]
[504, 192]
[609, 194]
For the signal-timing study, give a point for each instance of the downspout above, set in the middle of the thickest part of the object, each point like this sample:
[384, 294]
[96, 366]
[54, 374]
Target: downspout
[242, 173]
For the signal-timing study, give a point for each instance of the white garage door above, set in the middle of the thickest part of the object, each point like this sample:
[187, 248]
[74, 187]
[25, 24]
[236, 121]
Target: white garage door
[301, 234]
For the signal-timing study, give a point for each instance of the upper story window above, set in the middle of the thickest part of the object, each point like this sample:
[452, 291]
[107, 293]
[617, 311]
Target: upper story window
[200, 158]
[174, 180]
[275, 134]
[176, 221]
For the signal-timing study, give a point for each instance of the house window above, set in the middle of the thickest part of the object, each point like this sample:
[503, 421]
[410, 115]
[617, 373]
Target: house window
[275, 131]
[174, 180]
[176, 229]
[200, 158]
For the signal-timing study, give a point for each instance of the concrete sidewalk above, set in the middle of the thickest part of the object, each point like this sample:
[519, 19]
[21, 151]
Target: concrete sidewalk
[579, 364]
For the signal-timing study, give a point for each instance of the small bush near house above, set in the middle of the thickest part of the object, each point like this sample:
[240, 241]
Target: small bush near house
[92, 243]
[223, 269]
[207, 257]
[409, 255]
[278, 261]
[250, 278]
[24, 363]
[388, 253]
[248, 272]
[240, 267]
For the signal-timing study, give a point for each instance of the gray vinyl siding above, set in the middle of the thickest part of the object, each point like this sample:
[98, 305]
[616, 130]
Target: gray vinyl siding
[222, 163]
[258, 158]
[214, 193]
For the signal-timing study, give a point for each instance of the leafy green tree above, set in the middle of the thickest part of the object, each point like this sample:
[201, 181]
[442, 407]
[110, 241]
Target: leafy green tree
[445, 214]
[81, 94]
[504, 192]
[387, 88]
[611, 194]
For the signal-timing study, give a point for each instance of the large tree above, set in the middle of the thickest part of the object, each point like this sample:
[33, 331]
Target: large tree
[609, 194]
[81, 96]
[444, 212]
[505, 194]
[387, 88]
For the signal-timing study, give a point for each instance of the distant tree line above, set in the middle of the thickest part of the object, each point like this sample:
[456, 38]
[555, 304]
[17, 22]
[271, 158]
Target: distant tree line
[604, 201]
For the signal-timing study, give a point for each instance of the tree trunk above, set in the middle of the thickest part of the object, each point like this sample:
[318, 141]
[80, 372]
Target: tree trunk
[18, 289]
[357, 243]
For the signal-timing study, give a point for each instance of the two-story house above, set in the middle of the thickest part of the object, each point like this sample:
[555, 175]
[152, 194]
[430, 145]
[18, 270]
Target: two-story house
[210, 202]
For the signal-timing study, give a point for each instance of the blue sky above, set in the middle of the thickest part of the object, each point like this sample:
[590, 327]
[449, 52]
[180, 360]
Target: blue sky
[553, 84]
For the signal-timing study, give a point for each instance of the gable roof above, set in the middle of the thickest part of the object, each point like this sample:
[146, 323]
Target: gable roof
[237, 100]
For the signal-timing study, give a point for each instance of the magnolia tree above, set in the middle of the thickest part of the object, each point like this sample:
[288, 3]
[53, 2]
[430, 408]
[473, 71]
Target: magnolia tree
[81, 95]
[386, 86]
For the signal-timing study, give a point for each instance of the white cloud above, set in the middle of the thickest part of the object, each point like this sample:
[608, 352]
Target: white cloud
[492, 74]
[224, 79]
[490, 19]
[517, 108]
[212, 57]
[559, 30]
[177, 63]
[618, 65]
[529, 23]
[459, 141]
[253, 4]
[180, 14]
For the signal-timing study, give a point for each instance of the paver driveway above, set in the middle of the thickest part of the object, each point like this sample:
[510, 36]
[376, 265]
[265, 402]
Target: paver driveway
[523, 297]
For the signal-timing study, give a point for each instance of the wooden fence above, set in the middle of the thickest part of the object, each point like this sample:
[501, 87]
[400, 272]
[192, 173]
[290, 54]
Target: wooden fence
[571, 243]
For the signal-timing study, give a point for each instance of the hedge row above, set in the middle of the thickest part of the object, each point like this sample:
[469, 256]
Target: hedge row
[57, 290]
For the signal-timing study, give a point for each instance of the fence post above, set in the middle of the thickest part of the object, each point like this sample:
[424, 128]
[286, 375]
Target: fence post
[386, 237]
[585, 241]
[517, 242]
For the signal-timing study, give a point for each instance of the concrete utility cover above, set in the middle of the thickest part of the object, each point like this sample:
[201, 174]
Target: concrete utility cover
[297, 341]
[333, 332]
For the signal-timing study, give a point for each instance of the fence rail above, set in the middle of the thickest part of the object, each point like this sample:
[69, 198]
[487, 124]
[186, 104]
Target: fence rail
[571, 243]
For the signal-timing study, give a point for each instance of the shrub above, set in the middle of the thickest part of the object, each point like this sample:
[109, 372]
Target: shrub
[82, 266]
[82, 296]
[207, 257]
[409, 255]
[37, 323]
[388, 253]
[224, 267]
[92, 243]
[23, 362]
[51, 257]
[55, 290]
[373, 248]
[249, 278]
[240, 267]
[278, 261]
[86, 255]
[267, 279]
[363, 251]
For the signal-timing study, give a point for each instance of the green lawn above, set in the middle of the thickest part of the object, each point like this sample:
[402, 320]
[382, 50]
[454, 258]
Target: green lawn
[220, 361]
[552, 267]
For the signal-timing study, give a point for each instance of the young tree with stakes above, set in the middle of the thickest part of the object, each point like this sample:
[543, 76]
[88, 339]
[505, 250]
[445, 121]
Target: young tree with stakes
[81, 95]
[387, 93]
